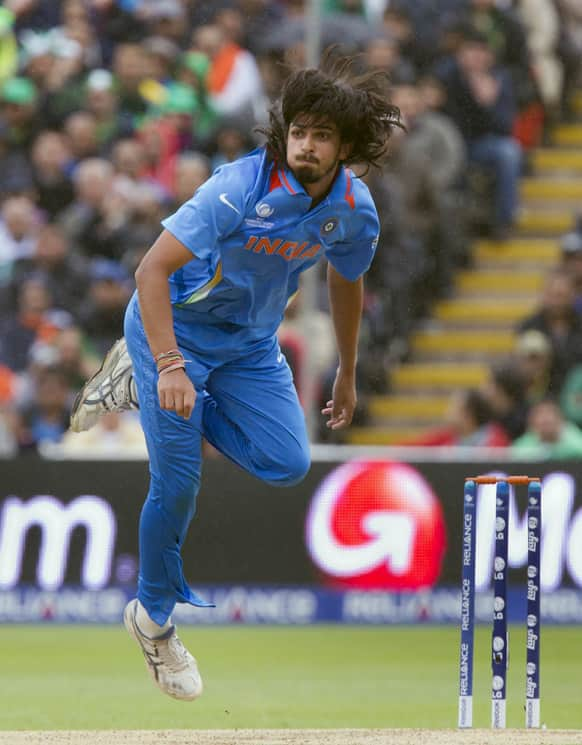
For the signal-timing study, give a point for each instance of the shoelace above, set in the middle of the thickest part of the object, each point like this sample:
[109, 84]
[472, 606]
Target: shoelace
[172, 654]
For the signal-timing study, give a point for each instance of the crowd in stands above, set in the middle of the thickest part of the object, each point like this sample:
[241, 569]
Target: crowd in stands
[112, 113]
[532, 401]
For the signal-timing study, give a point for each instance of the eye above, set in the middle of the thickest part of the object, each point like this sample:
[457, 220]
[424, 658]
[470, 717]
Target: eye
[323, 136]
[297, 132]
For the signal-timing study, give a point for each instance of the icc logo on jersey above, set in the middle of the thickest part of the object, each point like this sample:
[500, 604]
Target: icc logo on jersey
[264, 210]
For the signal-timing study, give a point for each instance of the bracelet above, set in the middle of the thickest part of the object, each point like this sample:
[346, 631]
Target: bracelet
[170, 368]
[170, 360]
[163, 355]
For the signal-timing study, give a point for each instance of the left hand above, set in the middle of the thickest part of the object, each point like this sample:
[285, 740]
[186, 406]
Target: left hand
[340, 409]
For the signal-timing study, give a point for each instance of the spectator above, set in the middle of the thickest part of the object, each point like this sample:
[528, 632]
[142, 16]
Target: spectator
[18, 232]
[234, 83]
[102, 101]
[114, 436]
[469, 423]
[548, 434]
[557, 319]
[438, 140]
[541, 23]
[397, 270]
[30, 322]
[420, 205]
[46, 417]
[51, 161]
[571, 49]
[19, 112]
[505, 390]
[383, 53]
[97, 221]
[76, 356]
[192, 170]
[63, 273]
[129, 66]
[82, 134]
[481, 100]
[533, 357]
[571, 247]
[102, 316]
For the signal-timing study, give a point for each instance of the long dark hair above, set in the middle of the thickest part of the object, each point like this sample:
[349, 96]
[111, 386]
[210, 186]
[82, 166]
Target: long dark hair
[357, 103]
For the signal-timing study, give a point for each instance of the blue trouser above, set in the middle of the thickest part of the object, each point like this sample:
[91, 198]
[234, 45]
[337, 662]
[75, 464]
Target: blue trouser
[503, 155]
[246, 406]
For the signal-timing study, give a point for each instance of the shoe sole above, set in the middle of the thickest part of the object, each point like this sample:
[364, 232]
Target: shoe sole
[130, 625]
[93, 383]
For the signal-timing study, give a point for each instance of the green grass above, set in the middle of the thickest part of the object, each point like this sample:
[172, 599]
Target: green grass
[95, 678]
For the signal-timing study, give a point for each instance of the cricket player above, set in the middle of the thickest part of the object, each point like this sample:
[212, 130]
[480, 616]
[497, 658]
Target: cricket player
[200, 352]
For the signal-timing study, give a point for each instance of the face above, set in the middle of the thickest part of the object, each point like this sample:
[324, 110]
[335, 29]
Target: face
[475, 57]
[558, 296]
[314, 150]
[546, 421]
[408, 100]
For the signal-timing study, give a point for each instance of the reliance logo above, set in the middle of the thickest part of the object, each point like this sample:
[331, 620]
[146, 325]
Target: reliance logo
[376, 525]
[57, 522]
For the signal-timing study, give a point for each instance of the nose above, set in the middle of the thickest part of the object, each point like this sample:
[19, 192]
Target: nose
[307, 146]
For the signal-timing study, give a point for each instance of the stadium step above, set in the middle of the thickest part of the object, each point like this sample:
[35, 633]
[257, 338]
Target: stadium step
[557, 159]
[397, 435]
[461, 344]
[504, 312]
[454, 350]
[407, 407]
[567, 135]
[437, 375]
[545, 222]
[551, 189]
[498, 282]
[517, 251]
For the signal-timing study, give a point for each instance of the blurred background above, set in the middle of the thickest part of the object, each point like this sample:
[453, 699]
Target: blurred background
[112, 113]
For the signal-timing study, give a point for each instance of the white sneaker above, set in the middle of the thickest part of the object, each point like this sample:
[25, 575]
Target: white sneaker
[112, 388]
[169, 663]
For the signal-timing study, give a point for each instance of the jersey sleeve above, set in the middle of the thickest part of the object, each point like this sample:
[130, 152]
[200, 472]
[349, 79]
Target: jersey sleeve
[216, 210]
[352, 256]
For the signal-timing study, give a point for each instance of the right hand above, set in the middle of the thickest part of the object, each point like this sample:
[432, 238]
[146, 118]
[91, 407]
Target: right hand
[177, 393]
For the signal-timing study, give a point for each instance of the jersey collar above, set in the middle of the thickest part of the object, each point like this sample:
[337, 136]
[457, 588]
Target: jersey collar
[341, 190]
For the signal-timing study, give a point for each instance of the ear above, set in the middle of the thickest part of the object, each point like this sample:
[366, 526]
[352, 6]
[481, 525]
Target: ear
[345, 150]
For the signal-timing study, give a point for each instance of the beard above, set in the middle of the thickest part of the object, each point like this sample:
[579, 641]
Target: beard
[311, 173]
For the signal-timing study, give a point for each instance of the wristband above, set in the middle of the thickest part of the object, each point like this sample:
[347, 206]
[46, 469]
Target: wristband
[164, 355]
[170, 368]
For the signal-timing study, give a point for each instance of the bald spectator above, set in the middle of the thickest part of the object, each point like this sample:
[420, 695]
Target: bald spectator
[97, 221]
[81, 131]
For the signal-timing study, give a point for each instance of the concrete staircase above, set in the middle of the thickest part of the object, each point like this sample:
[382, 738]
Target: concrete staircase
[476, 325]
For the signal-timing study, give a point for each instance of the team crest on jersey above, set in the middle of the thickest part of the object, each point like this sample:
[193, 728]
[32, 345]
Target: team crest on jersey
[264, 210]
[329, 225]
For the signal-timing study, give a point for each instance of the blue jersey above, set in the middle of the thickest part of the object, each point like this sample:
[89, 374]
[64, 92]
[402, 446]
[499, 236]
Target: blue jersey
[252, 232]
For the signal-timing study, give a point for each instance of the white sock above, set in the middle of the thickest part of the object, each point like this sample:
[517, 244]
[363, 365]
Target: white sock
[147, 626]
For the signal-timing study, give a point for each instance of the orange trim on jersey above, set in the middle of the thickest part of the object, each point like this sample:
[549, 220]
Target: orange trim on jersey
[275, 182]
[349, 197]
[286, 182]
